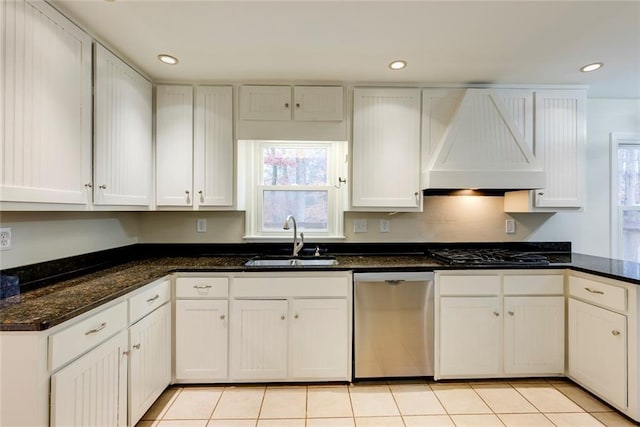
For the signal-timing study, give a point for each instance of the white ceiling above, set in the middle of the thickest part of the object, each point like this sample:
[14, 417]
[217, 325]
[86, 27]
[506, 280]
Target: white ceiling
[540, 42]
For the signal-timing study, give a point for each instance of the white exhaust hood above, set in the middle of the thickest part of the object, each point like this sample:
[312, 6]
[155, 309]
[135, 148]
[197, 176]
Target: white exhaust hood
[477, 140]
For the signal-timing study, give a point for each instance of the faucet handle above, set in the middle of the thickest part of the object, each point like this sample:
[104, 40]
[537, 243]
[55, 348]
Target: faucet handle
[317, 253]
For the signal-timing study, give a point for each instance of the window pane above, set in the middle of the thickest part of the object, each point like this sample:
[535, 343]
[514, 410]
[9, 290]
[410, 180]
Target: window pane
[294, 166]
[628, 175]
[310, 208]
[631, 235]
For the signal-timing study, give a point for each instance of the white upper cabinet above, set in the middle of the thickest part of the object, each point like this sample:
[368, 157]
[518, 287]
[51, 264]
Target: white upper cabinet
[386, 149]
[303, 103]
[174, 145]
[123, 124]
[45, 106]
[560, 145]
[213, 147]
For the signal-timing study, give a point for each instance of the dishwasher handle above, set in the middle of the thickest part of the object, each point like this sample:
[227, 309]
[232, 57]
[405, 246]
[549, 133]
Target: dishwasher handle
[394, 282]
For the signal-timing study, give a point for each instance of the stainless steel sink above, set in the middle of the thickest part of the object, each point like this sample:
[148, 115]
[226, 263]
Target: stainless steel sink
[291, 262]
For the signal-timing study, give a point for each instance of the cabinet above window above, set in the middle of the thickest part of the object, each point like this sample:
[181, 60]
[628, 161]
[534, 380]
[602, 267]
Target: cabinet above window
[301, 103]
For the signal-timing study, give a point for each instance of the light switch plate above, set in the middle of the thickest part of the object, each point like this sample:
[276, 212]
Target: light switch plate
[359, 225]
[384, 226]
[202, 225]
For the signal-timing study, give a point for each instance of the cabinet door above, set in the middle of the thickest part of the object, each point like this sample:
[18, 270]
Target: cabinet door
[259, 339]
[174, 145]
[265, 103]
[320, 339]
[534, 335]
[92, 391]
[213, 158]
[123, 153]
[598, 351]
[150, 361]
[318, 103]
[386, 149]
[470, 331]
[45, 106]
[201, 340]
[560, 145]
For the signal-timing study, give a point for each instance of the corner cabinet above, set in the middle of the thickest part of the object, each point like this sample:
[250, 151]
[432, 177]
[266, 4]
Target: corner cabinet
[301, 103]
[123, 127]
[45, 107]
[386, 150]
[195, 150]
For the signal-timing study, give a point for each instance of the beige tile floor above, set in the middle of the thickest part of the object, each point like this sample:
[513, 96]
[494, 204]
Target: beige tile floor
[534, 403]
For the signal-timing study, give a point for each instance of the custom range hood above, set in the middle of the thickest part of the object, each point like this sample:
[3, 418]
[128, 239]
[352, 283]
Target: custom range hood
[479, 139]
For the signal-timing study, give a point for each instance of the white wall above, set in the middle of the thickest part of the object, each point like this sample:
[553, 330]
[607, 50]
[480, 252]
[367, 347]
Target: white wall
[44, 236]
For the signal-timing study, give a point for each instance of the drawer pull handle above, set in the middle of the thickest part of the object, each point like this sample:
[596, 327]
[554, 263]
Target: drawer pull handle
[222, 316]
[615, 333]
[201, 286]
[98, 329]
[594, 291]
[137, 346]
[154, 298]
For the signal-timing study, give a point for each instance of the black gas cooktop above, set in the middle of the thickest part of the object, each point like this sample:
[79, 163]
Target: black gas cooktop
[485, 256]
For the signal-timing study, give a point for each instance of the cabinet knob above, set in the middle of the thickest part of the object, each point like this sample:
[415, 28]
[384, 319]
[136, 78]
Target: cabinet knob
[222, 317]
[103, 187]
[137, 346]
[297, 105]
[510, 313]
[186, 192]
[296, 316]
[286, 105]
[126, 353]
[282, 317]
[88, 185]
[541, 194]
[615, 333]
[495, 313]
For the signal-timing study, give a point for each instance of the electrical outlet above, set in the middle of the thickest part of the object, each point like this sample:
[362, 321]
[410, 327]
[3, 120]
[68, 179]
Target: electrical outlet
[202, 225]
[359, 225]
[5, 239]
[384, 226]
[510, 226]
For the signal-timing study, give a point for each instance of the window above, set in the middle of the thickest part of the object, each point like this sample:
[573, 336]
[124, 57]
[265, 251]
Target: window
[294, 178]
[625, 212]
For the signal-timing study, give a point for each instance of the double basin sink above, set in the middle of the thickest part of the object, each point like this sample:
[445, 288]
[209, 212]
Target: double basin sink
[298, 261]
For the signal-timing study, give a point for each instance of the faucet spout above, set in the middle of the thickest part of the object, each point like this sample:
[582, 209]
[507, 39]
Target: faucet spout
[297, 246]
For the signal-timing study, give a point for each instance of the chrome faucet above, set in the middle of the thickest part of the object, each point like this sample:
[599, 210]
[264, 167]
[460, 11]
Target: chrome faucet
[297, 247]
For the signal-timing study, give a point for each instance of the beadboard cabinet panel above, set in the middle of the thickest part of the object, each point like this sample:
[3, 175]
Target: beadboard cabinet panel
[45, 152]
[214, 148]
[123, 144]
[174, 145]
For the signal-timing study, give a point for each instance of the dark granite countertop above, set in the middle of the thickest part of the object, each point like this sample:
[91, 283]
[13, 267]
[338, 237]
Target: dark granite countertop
[51, 305]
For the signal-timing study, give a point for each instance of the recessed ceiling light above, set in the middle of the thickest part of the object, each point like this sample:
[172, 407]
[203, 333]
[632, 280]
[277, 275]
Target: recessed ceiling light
[397, 65]
[168, 59]
[591, 67]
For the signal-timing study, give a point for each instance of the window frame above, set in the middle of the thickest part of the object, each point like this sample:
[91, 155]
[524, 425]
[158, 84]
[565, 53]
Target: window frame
[618, 139]
[254, 188]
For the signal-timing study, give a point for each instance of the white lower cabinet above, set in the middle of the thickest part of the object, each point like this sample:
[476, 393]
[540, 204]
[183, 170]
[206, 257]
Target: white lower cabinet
[259, 339]
[598, 350]
[470, 326]
[149, 360]
[499, 324]
[201, 340]
[92, 391]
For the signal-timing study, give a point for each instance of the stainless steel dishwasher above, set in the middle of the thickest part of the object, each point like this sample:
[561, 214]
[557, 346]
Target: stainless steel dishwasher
[393, 324]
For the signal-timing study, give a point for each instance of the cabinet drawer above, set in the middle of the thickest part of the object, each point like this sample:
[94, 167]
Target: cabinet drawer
[279, 287]
[148, 299]
[469, 285]
[534, 284]
[86, 334]
[600, 293]
[202, 287]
